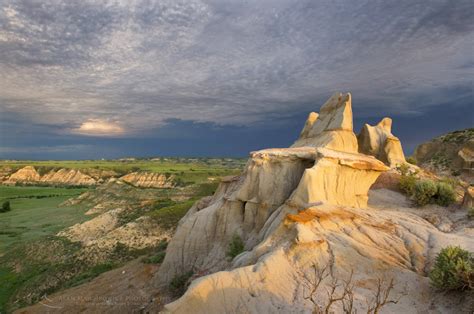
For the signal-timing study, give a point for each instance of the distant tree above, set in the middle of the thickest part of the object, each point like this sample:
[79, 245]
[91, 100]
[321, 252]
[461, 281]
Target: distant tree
[5, 207]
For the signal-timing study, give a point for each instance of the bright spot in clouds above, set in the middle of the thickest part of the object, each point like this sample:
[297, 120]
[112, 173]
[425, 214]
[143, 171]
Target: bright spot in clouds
[98, 127]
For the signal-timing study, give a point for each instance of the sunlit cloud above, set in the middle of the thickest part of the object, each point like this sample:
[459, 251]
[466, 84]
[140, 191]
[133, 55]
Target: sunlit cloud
[98, 127]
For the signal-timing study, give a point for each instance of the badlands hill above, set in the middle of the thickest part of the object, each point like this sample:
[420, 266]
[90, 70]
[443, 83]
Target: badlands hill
[314, 238]
[29, 175]
[451, 153]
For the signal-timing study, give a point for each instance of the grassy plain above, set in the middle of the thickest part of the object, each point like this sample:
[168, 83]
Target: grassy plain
[35, 213]
[34, 219]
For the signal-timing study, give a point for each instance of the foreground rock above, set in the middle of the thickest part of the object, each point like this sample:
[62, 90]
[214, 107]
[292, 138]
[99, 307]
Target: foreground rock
[275, 180]
[378, 141]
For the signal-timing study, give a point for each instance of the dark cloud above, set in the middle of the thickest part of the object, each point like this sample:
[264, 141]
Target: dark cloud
[140, 65]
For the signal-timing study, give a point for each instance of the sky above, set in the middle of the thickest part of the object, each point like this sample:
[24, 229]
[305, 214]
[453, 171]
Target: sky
[108, 79]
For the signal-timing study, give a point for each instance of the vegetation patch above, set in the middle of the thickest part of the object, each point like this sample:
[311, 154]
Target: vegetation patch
[159, 255]
[180, 283]
[425, 191]
[236, 246]
[5, 207]
[167, 217]
[89, 274]
[453, 269]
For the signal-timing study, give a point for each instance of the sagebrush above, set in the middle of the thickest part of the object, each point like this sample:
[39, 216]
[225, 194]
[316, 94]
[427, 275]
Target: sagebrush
[453, 269]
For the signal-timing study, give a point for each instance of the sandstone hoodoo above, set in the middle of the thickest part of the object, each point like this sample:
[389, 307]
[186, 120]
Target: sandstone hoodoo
[274, 182]
[297, 210]
[379, 142]
[332, 127]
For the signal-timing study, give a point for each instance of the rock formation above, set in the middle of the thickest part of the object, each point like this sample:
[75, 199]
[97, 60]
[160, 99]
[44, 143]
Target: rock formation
[378, 141]
[29, 175]
[332, 128]
[276, 179]
[468, 199]
[451, 154]
[299, 209]
[67, 177]
[26, 174]
[149, 180]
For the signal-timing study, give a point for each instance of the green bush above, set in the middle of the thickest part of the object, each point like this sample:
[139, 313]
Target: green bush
[445, 195]
[411, 160]
[470, 212]
[404, 169]
[408, 179]
[453, 269]
[424, 191]
[155, 259]
[407, 184]
[159, 256]
[236, 246]
[5, 207]
[179, 283]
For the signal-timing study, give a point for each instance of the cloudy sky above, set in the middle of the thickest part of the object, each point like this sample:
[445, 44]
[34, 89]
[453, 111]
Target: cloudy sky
[93, 79]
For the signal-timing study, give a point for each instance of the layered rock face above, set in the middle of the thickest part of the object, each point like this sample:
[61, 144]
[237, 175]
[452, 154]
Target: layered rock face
[25, 174]
[298, 211]
[310, 172]
[378, 141]
[68, 176]
[332, 127]
[149, 180]
[29, 175]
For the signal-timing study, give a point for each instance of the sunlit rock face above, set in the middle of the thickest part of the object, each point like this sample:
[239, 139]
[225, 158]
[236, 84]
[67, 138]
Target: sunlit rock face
[68, 176]
[332, 127]
[323, 166]
[295, 209]
[379, 142]
[149, 180]
[24, 175]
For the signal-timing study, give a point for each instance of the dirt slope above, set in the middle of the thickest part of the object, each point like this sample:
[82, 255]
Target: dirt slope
[123, 290]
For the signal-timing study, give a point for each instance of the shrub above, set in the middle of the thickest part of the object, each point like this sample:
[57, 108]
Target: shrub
[155, 259]
[453, 269]
[411, 160]
[179, 283]
[5, 207]
[424, 191]
[470, 212]
[162, 245]
[159, 256]
[445, 194]
[404, 169]
[236, 246]
[407, 184]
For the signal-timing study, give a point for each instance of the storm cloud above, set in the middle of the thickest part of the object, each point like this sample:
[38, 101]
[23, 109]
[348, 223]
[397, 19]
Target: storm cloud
[137, 67]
